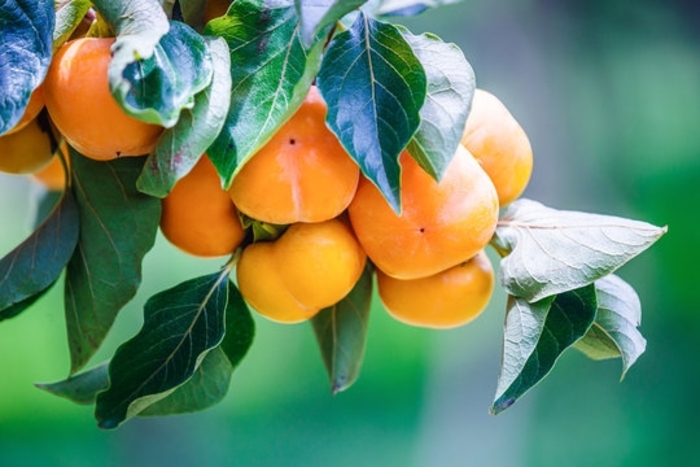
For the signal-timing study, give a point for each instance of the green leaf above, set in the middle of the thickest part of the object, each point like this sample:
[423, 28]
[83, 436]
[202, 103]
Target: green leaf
[81, 388]
[341, 332]
[406, 7]
[614, 333]
[374, 86]
[34, 266]
[45, 204]
[240, 327]
[535, 335]
[181, 325]
[179, 148]
[271, 73]
[317, 15]
[26, 27]
[118, 226]
[140, 25]
[211, 381]
[158, 88]
[451, 85]
[551, 251]
[206, 387]
[68, 17]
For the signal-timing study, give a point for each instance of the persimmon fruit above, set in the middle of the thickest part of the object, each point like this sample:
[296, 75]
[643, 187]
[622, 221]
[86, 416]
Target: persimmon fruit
[198, 215]
[262, 287]
[26, 150]
[311, 266]
[82, 107]
[448, 299]
[302, 174]
[441, 223]
[499, 143]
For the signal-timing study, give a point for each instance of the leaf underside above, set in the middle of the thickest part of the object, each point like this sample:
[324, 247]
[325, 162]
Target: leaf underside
[341, 333]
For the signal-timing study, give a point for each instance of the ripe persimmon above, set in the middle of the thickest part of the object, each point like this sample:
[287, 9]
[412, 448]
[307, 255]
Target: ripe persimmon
[302, 174]
[500, 144]
[53, 175]
[310, 267]
[262, 288]
[441, 224]
[26, 150]
[319, 263]
[82, 107]
[198, 215]
[34, 106]
[445, 300]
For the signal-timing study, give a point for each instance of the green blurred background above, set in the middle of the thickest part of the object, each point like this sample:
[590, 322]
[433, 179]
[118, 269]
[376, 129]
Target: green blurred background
[609, 93]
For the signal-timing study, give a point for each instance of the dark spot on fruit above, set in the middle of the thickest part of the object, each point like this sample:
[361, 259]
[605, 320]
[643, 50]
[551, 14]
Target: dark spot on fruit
[422, 230]
[119, 153]
[292, 141]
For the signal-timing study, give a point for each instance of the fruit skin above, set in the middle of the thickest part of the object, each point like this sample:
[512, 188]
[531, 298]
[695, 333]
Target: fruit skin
[445, 300]
[262, 288]
[83, 109]
[319, 263]
[302, 174]
[53, 176]
[310, 267]
[34, 106]
[500, 144]
[25, 151]
[441, 224]
[198, 215]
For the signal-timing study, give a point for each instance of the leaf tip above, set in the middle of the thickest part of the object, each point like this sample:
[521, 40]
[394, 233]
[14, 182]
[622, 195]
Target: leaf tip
[500, 405]
[108, 423]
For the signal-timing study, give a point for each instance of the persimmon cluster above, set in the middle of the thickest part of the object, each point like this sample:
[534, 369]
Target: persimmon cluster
[325, 221]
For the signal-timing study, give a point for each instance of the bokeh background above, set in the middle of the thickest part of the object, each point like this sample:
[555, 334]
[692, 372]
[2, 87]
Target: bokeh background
[609, 93]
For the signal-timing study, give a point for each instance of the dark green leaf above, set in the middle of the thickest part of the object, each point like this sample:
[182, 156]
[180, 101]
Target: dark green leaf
[240, 327]
[205, 388]
[451, 85]
[181, 325]
[210, 382]
[25, 54]
[158, 88]
[317, 15]
[614, 333]
[118, 226]
[535, 335]
[68, 17]
[180, 147]
[46, 203]
[35, 265]
[341, 332]
[551, 251]
[82, 388]
[374, 86]
[271, 72]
